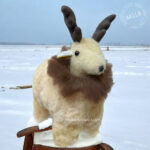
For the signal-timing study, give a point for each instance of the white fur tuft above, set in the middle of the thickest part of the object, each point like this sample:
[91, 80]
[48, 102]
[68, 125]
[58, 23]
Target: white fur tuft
[45, 124]
[42, 125]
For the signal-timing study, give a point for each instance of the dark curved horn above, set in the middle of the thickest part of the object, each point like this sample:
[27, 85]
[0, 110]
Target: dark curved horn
[70, 21]
[102, 28]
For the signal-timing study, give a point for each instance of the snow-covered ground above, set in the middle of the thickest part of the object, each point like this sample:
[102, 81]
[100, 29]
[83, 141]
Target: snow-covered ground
[126, 122]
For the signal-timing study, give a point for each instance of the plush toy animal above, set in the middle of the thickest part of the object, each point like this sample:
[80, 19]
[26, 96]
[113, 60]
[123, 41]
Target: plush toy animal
[72, 86]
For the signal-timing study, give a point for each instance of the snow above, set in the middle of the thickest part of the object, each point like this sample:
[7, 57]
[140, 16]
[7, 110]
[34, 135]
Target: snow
[32, 122]
[126, 122]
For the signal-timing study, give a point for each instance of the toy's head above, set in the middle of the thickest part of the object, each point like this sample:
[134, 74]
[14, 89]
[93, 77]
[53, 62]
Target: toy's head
[86, 57]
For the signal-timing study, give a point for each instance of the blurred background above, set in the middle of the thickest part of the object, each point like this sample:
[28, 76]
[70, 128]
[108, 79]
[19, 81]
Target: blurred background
[34, 30]
[41, 22]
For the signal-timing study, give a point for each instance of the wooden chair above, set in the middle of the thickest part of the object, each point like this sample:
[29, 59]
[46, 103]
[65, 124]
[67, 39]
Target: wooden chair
[29, 141]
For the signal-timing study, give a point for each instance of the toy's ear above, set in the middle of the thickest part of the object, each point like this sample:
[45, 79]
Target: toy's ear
[64, 54]
[102, 28]
[70, 20]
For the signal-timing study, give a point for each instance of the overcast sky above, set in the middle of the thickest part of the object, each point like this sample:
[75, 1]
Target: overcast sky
[41, 21]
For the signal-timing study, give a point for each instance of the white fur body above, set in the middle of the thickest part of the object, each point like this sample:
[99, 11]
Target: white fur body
[89, 60]
[76, 113]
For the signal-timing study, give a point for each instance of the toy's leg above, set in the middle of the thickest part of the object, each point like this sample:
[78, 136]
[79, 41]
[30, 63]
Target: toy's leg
[65, 135]
[40, 113]
[92, 126]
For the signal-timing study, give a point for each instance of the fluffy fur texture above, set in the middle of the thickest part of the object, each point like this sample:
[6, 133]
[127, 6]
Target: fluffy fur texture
[89, 60]
[45, 138]
[72, 91]
[93, 87]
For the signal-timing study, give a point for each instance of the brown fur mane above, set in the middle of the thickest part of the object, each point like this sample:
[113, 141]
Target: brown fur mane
[93, 87]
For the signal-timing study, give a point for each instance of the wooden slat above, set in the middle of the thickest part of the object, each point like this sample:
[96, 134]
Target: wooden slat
[21, 87]
[40, 147]
[28, 142]
[102, 146]
[105, 146]
[31, 130]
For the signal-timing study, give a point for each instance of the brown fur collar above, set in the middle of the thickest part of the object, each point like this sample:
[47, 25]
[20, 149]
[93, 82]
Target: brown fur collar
[92, 87]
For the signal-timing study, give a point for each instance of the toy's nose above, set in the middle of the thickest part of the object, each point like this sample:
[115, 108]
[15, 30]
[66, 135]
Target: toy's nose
[101, 68]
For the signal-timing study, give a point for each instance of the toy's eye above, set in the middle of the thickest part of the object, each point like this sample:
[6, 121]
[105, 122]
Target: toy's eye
[77, 53]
